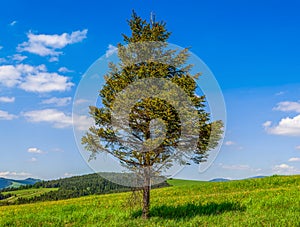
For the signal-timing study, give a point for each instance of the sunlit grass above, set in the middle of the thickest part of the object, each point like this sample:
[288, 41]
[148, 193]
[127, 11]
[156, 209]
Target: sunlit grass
[26, 193]
[272, 201]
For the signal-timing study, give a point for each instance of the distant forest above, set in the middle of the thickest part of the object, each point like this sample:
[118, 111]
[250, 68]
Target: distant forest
[72, 187]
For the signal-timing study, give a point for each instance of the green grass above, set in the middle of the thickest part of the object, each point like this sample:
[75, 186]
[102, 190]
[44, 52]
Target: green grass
[272, 201]
[26, 193]
[180, 182]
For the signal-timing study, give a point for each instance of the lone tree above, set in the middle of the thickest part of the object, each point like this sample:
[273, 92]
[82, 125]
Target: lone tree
[158, 132]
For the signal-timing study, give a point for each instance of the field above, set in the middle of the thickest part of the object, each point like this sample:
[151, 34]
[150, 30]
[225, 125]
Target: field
[271, 201]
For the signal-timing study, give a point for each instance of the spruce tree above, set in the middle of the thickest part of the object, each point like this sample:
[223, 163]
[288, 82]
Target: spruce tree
[144, 152]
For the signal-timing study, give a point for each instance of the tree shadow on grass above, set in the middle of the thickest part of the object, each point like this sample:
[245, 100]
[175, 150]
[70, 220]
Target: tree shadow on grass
[190, 210]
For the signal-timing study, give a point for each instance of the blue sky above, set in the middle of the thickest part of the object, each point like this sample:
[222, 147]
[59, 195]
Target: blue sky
[252, 47]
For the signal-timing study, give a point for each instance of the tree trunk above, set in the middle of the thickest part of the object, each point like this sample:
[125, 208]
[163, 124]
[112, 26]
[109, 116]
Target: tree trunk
[146, 194]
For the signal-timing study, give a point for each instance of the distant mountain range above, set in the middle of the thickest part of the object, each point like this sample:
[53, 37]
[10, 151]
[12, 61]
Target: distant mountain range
[219, 180]
[6, 183]
[257, 177]
[224, 179]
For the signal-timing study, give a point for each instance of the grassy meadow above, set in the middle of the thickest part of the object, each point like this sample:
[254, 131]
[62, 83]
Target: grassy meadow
[271, 201]
[26, 193]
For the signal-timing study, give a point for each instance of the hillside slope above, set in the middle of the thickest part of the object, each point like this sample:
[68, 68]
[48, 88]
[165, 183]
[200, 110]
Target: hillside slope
[271, 201]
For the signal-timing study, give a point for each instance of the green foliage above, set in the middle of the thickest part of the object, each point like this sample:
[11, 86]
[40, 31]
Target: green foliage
[270, 201]
[138, 61]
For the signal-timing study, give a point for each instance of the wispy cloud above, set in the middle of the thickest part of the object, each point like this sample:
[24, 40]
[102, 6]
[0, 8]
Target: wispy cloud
[280, 93]
[33, 159]
[58, 119]
[294, 159]
[297, 147]
[82, 122]
[81, 101]
[285, 169]
[64, 70]
[236, 167]
[52, 116]
[49, 45]
[229, 143]
[4, 115]
[58, 101]
[13, 23]
[239, 167]
[69, 174]
[18, 57]
[288, 107]
[111, 49]
[57, 150]
[35, 150]
[7, 99]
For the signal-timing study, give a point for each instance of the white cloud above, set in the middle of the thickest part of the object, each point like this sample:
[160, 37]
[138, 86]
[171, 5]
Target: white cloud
[9, 75]
[53, 59]
[6, 116]
[287, 127]
[280, 93]
[46, 82]
[1, 47]
[58, 101]
[64, 70]
[229, 143]
[82, 122]
[7, 99]
[297, 147]
[111, 50]
[35, 150]
[239, 167]
[58, 150]
[13, 23]
[59, 119]
[33, 159]
[81, 101]
[48, 45]
[236, 167]
[288, 106]
[285, 169]
[33, 78]
[294, 159]
[267, 124]
[69, 175]
[18, 57]
[15, 175]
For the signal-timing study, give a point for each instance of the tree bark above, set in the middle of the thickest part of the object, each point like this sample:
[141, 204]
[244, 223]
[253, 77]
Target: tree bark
[146, 194]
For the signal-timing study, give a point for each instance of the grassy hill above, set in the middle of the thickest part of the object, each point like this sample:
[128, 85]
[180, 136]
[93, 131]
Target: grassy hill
[26, 193]
[271, 201]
